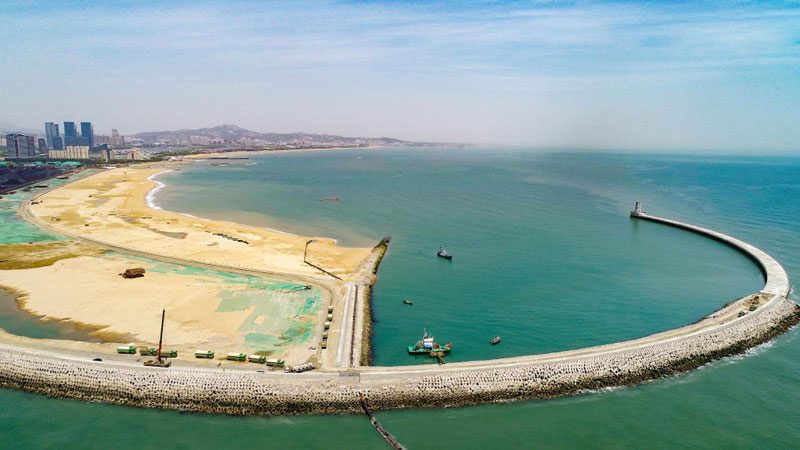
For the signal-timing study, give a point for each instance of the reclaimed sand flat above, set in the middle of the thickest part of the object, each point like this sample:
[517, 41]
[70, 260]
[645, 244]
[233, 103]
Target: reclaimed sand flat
[110, 208]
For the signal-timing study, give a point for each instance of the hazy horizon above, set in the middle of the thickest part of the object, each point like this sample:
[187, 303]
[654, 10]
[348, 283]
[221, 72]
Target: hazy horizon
[662, 76]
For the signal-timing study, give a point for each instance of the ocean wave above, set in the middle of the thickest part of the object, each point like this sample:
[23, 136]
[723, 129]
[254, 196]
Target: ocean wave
[150, 197]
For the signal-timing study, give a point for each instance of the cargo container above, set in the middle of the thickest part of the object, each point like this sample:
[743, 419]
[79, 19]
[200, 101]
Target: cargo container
[205, 354]
[275, 362]
[236, 356]
[259, 359]
[129, 349]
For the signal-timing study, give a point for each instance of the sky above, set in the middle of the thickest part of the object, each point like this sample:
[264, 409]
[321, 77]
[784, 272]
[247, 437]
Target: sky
[682, 76]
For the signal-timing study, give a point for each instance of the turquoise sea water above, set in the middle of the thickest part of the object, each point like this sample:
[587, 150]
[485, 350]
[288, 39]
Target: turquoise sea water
[14, 230]
[545, 255]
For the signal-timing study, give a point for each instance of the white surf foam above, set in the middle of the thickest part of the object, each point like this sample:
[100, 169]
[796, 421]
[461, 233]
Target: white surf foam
[150, 198]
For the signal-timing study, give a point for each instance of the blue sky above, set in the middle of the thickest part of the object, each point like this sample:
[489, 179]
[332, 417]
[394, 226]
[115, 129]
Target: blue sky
[719, 76]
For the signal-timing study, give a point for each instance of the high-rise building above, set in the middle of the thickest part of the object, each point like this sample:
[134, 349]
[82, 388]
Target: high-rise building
[100, 139]
[115, 140]
[51, 133]
[70, 134]
[71, 152]
[20, 146]
[87, 134]
[42, 147]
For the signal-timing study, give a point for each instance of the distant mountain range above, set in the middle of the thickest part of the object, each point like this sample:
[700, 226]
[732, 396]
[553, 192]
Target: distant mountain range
[235, 135]
[6, 127]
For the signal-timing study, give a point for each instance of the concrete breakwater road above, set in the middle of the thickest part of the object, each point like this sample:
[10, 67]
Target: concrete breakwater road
[336, 388]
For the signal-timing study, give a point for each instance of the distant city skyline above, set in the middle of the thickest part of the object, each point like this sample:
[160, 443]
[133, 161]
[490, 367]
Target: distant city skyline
[711, 76]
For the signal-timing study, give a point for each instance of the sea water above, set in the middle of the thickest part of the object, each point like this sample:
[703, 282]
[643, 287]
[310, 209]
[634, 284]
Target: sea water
[545, 256]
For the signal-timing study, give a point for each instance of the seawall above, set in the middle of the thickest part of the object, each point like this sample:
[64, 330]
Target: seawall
[776, 278]
[265, 393]
[731, 330]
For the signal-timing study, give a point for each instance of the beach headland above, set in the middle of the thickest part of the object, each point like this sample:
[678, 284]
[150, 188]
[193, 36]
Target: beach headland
[109, 210]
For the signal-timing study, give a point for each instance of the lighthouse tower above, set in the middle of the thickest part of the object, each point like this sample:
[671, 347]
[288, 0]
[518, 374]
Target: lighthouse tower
[637, 209]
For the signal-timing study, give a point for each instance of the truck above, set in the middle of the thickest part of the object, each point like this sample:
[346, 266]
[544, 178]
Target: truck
[274, 362]
[204, 354]
[258, 359]
[129, 349]
[236, 357]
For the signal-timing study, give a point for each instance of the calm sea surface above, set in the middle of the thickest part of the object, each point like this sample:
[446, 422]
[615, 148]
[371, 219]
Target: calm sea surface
[545, 255]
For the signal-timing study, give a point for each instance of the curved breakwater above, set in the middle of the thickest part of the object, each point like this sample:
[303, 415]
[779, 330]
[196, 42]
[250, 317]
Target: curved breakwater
[722, 333]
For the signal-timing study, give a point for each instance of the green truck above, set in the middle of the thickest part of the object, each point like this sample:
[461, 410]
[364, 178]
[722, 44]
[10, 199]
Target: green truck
[258, 359]
[204, 354]
[275, 362]
[236, 357]
[129, 349]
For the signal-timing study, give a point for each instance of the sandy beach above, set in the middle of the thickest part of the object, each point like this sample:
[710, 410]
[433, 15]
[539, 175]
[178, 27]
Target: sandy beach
[278, 315]
[111, 207]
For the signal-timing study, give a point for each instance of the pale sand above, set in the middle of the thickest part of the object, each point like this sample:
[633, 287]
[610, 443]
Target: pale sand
[90, 291]
[110, 207]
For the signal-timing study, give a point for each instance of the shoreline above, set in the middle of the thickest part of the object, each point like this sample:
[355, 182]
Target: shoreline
[150, 197]
[217, 233]
[335, 388]
[151, 203]
[202, 156]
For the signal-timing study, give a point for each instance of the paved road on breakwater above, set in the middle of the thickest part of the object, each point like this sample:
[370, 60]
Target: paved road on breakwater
[720, 334]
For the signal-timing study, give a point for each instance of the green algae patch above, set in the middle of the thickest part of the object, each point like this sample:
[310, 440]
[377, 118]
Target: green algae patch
[42, 254]
[259, 340]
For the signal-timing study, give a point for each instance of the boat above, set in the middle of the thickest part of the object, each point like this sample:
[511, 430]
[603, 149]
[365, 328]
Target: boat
[330, 199]
[427, 345]
[443, 254]
[408, 302]
[495, 340]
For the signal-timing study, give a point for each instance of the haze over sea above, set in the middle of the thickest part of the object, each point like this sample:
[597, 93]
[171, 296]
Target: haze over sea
[545, 255]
